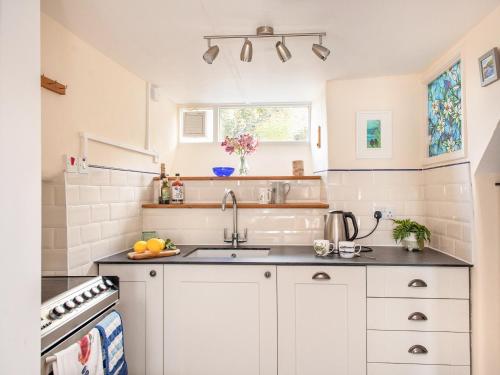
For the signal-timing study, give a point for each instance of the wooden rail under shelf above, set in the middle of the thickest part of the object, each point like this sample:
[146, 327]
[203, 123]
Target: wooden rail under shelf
[243, 178]
[240, 205]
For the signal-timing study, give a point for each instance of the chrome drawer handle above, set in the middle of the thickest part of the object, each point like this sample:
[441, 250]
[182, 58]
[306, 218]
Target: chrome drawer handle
[321, 276]
[417, 316]
[417, 283]
[417, 349]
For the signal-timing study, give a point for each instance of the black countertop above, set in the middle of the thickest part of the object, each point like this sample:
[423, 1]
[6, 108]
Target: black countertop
[304, 255]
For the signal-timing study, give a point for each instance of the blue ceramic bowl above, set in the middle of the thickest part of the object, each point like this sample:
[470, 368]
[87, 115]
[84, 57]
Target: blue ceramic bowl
[223, 171]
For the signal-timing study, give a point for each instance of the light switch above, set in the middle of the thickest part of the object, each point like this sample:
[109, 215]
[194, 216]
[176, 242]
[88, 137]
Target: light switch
[71, 164]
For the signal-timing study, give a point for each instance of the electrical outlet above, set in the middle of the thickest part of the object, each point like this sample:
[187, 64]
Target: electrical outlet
[82, 165]
[387, 213]
[71, 164]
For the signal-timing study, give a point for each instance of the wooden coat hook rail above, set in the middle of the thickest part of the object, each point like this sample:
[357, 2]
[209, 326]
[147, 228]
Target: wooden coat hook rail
[53, 85]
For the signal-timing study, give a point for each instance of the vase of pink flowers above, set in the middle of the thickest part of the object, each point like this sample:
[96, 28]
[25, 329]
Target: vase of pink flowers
[243, 145]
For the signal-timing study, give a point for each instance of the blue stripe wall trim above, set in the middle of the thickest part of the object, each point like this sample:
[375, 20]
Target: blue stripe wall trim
[390, 169]
[120, 169]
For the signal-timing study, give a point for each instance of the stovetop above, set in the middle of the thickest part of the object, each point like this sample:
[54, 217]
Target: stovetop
[53, 286]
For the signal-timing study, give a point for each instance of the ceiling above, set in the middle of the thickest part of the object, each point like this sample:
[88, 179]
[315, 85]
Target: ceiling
[161, 41]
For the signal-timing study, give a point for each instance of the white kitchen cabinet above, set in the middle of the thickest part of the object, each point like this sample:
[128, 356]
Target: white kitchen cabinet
[141, 307]
[321, 320]
[220, 320]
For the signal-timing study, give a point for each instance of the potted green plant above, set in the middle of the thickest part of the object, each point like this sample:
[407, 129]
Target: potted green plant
[411, 234]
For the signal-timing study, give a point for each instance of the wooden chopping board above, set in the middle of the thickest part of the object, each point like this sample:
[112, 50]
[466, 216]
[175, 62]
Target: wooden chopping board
[148, 255]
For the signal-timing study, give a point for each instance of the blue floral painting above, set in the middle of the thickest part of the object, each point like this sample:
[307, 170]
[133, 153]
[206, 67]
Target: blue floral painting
[444, 109]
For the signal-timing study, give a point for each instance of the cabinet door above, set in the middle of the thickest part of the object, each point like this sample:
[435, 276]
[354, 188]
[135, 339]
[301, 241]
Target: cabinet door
[321, 320]
[141, 307]
[220, 320]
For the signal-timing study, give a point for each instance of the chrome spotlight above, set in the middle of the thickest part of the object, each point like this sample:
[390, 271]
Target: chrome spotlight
[211, 54]
[319, 50]
[283, 52]
[246, 51]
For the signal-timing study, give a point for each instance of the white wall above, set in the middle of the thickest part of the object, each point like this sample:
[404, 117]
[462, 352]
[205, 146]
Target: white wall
[399, 94]
[102, 98]
[20, 191]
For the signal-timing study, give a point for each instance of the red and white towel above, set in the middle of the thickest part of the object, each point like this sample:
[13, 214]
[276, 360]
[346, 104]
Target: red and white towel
[83, 357]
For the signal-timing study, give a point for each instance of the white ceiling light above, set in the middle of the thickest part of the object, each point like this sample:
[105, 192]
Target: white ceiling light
[265, 32]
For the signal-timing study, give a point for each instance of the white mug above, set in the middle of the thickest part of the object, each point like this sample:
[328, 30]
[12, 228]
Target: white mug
[348, 249]
[265, 195]
[322, 247]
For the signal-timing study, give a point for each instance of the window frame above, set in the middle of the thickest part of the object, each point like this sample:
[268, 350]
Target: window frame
[308, 105]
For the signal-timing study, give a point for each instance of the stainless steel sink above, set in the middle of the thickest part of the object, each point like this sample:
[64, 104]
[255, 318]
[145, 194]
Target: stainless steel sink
[224, 252]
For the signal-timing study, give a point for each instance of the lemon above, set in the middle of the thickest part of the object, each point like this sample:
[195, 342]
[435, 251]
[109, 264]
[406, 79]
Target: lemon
[140, 246]
[155, 245]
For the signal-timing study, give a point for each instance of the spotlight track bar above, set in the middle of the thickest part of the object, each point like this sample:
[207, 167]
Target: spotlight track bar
[257, 36]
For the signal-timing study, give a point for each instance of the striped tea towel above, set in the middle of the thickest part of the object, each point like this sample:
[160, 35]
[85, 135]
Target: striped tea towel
[113, 352]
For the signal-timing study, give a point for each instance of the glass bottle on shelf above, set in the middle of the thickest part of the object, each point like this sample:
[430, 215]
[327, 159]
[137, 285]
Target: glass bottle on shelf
[177, 190]
[165, 191]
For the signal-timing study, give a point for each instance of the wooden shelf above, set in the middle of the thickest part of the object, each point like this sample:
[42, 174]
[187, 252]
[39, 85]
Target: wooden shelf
[242, 178]
[240, 205]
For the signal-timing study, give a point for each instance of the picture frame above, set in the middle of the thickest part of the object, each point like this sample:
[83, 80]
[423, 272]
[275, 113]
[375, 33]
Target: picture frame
[374, 135]
[489, 65]
[438, 147]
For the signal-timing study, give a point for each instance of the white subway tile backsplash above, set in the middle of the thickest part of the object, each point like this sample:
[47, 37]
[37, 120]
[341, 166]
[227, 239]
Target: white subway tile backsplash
[110, 194]
[99, 213]
[90, 233]
[78, 215]
[454, 230]
[99, 249]
[127, 194]
[78, 256]
[118, 211]
[73, 236]
[72, 194]
[119, 178]
[54, 260]
[116, 244]
[99, 177]
[76, 178]
[134, 179]
[90, 194]
[110, 229]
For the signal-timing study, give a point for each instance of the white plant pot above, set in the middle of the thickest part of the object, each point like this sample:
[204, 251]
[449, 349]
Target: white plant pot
[411, 243]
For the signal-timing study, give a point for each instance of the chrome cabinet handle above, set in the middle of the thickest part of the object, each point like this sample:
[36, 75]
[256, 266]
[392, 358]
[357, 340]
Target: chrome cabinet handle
[417, 283]
[417, 316]
[321, 276]
[152, 273]
[418, 349]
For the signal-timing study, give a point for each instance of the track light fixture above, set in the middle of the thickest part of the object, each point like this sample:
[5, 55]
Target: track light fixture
[246, 51]
[283, 52]
[211, 54]
[319, 50]
[265, 32]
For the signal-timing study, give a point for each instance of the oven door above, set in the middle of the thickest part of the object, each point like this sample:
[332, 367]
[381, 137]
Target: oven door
[48, 358]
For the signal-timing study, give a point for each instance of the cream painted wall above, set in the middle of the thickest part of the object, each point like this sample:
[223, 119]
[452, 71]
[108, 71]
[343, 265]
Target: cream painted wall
[319, 119]
[482, 113]
[102, 98]
[399, 94]
[20, 195]
[270, 159]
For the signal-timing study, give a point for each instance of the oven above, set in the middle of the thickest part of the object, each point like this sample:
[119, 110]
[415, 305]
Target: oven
[71, 307]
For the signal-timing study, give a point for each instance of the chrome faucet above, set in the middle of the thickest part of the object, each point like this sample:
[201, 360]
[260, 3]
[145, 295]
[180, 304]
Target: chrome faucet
[235, 237]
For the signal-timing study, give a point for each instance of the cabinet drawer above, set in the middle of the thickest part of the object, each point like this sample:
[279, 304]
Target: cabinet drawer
[418, 282]
[441, 348]
[392, 369]
[416, 314]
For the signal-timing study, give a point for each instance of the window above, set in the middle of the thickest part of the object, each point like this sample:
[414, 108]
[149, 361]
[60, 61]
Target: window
[196, 125]
[270, 123]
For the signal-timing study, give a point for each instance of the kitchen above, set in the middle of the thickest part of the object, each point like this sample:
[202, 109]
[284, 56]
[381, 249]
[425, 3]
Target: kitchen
[351, 133]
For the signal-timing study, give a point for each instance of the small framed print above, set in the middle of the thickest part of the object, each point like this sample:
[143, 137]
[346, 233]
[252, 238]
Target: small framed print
[489, 64]
[374, 135]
